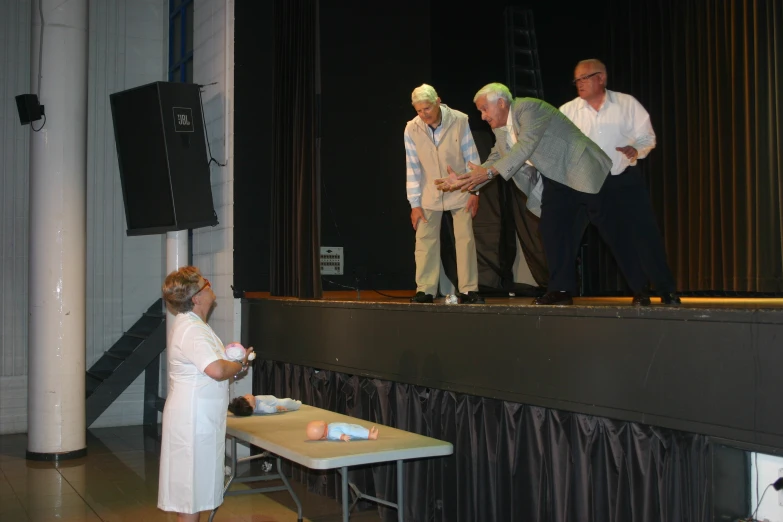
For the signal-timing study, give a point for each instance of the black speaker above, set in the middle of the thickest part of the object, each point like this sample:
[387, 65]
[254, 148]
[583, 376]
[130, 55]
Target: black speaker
[164, 170]
[28, 107]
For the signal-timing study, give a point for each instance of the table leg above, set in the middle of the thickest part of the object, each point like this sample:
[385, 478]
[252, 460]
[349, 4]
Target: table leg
[233, 474]
[344, 473]
[234, 461]
[400, 493]
[290, 490]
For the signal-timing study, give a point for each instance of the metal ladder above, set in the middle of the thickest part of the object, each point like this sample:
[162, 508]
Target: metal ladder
[523, 72]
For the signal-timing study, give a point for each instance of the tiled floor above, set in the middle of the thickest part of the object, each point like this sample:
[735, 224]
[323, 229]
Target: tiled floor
[118, 481]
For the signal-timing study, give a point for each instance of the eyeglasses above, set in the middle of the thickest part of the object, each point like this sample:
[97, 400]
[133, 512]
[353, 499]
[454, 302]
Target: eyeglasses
[206, 284]
[584, 78]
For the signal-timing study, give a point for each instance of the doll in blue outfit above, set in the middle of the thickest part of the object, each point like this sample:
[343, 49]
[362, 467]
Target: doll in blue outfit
[320, 430]
[250, 404]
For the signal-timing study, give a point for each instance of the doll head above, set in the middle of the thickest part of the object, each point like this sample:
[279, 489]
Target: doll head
[235, 352]
[316, 430]
[242, 406]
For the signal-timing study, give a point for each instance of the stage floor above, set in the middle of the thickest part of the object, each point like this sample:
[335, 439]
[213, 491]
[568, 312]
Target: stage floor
[403, 297]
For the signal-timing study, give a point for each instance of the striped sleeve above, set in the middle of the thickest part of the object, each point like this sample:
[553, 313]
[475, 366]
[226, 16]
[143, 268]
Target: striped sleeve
[413, 172]
[469, 151]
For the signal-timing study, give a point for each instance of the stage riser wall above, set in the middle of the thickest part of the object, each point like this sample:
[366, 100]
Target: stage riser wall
[713, 372]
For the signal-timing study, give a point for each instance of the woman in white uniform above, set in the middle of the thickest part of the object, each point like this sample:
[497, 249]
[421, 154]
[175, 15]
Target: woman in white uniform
[192, 453]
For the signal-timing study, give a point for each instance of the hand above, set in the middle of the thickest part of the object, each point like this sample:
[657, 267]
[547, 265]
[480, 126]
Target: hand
[472, 206]
[346, 438]
[629, 152]
[247, 357]
[245, 362]
[282, 408]
[474, 177]
[417, 214]
[450, 183]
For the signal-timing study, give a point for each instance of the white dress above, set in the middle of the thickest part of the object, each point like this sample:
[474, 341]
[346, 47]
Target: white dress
[192, 452]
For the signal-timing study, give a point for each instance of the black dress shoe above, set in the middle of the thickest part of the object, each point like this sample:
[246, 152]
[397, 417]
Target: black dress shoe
[470, 298]
[670, 298]
[641, 299]
[554, 298]
[421, 297]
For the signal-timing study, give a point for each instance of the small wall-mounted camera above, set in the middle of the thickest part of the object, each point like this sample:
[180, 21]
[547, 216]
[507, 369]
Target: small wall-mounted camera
[29, 108]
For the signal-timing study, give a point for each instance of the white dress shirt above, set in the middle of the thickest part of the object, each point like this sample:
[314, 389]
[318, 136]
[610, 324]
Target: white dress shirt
[619, 122]
[511, 135]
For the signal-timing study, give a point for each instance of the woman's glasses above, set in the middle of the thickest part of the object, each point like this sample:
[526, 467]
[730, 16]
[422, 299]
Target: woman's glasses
[206, 284]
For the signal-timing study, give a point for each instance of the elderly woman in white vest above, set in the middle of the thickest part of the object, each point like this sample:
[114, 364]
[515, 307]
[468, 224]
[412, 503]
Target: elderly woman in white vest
[435, 139]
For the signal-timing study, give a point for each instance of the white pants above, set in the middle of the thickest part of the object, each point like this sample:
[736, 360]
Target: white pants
[428, 251]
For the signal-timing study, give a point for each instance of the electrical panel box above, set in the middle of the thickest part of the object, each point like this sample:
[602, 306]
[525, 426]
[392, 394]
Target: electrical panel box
[331, 260]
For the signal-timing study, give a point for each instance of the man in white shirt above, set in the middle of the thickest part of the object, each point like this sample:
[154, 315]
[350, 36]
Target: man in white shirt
[619, 124]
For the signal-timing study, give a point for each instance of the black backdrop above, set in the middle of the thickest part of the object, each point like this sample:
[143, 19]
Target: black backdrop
[707, 70]
[372, 56]
[254, 39]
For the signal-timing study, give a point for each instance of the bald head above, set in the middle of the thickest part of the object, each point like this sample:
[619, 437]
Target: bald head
[594, 64]
[590, 80]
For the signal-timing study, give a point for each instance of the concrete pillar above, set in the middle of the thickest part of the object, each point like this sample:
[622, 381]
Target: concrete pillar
[176, 257]
[58, 166]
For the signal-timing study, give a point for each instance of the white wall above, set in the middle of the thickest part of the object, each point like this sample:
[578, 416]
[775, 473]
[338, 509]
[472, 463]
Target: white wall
[213, 61]
[143, 259]
[766, 469]
[14, 223]
[127, 47]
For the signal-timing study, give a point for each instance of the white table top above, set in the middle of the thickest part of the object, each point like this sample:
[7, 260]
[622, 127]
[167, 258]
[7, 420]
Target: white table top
[284, 435]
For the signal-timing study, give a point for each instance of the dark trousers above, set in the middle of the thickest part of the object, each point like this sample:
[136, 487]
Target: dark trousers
[635, 219]
[562, 214]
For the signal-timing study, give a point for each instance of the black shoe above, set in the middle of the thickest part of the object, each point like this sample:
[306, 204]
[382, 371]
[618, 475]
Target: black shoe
[421, 297]
[641, 299]
[670, 298]
[554, 298]
[470, 298]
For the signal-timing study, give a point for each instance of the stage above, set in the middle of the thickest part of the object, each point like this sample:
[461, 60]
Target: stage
[709, 366]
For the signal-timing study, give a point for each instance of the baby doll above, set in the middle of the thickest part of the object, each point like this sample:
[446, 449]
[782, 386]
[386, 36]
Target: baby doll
[249, 404]
[319, 430]
[236, 352]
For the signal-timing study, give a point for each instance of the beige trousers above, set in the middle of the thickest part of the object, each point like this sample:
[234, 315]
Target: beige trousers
[428, 251]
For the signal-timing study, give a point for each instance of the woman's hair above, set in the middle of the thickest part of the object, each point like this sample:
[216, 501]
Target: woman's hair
[240, 407]
[179, 288]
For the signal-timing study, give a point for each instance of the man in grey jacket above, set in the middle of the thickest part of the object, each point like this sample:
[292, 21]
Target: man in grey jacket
[532, 138]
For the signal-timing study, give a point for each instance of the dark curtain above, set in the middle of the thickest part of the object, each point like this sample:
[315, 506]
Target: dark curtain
[511, 462]
[709, 73]
[295, 268]
[597, 269]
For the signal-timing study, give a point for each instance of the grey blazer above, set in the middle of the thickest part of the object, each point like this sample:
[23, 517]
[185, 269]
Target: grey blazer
[554, 145]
